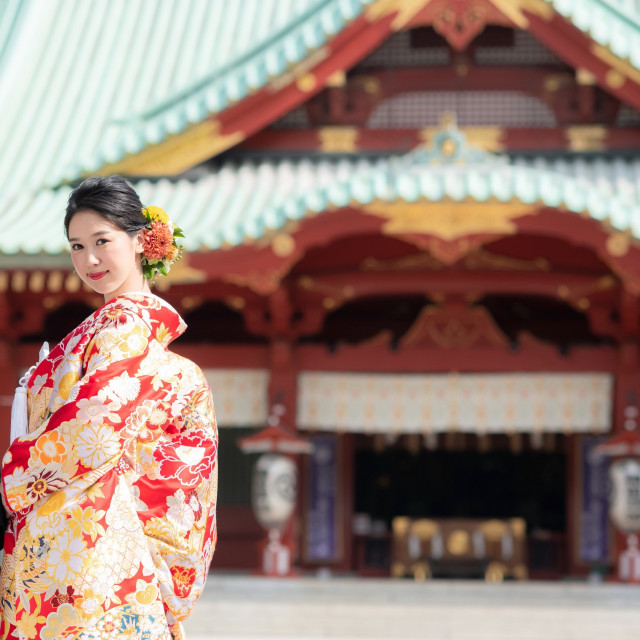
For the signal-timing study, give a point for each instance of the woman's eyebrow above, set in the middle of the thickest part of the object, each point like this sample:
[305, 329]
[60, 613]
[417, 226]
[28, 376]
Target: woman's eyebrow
[93, 235]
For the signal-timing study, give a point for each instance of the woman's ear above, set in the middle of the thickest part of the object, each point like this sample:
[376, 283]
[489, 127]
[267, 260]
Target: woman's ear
[138, 241]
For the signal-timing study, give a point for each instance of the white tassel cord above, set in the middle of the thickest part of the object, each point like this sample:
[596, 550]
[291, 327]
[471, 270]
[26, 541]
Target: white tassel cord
[19, 416]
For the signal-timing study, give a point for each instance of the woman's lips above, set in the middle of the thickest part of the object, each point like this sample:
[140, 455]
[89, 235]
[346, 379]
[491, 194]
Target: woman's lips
[97, 275]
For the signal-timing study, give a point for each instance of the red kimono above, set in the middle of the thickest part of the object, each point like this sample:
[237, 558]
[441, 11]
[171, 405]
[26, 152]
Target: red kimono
[111, 496]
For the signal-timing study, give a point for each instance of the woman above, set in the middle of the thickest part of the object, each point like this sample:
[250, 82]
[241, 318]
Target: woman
[111, 493]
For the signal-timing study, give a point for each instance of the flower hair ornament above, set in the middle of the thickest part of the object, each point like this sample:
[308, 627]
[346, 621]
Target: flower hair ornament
[160, 249]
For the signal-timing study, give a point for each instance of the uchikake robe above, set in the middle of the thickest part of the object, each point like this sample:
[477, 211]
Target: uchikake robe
[112, 494]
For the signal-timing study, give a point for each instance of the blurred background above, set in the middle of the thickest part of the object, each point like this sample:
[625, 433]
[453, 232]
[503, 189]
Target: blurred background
[412, 280]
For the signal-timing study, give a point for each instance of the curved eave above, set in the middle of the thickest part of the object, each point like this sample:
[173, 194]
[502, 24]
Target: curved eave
[249, 203]
[259, 106]
[612, 24]
[602, 42]
[562, 25]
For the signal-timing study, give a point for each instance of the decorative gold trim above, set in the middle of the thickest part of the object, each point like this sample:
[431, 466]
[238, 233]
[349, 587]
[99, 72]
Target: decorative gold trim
[485, 138]
[283, 245]
[424, 528]
[337, 79]
[19, 281]
[614, 79]
[177, 153]
[618, 244]
[514, 10]
[584, 77]
[422, 260]
[370, 84]
[236, 302]
[586, 138]
[458, 542]
[299, 70]
[4, 281]
[338, 139]
[616, 64]
[37, 281]
[482, 259]
[307, 83]
[72, 283]
[449, 220]
[405, 11]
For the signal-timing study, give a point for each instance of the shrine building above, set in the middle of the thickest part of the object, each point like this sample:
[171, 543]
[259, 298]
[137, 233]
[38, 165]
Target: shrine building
[413, 237]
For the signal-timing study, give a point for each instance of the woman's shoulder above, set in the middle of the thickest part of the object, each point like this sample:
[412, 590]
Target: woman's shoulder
[139, 308]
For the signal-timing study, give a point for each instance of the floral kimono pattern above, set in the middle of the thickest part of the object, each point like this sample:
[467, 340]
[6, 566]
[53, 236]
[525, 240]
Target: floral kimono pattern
[111, 496]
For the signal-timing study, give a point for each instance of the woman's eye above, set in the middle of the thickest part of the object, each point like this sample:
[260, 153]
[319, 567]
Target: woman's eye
[76, 247]
[101, 241]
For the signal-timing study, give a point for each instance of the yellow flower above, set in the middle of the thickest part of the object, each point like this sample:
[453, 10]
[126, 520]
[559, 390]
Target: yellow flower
[27, 624]
[85, 521]
[156, 214]
[134, 343]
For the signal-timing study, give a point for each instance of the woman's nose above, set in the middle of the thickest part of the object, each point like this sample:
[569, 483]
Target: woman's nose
[93, 259]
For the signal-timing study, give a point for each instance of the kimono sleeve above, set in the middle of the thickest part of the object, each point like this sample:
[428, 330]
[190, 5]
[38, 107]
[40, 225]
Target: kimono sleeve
[179, 504]
[94, 390]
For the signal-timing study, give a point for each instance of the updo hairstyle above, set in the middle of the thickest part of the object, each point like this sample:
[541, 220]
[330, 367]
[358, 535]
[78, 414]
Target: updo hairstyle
[113, 198]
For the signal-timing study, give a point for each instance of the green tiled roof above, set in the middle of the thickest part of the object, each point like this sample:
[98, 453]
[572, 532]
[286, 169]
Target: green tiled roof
[612, 23]
[86, 82]
[248, 199]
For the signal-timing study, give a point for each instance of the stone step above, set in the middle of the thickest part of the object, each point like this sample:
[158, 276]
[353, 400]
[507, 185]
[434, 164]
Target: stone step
[245, 608]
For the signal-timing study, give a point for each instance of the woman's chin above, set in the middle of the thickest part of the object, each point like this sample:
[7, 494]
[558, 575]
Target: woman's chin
[101, 286]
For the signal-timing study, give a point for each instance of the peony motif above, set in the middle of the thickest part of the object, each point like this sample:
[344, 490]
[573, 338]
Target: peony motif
[123, 388]
[157, 241]
[189, 457]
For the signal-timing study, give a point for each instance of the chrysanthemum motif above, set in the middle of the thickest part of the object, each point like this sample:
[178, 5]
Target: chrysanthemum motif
[157, 241]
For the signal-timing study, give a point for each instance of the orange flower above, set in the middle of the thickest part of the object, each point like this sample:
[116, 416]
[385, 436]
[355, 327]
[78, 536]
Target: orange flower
[157, 241]
[173, 253]
[49, 448]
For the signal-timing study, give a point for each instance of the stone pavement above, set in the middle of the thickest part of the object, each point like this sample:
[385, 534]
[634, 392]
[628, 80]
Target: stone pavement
[250, 608]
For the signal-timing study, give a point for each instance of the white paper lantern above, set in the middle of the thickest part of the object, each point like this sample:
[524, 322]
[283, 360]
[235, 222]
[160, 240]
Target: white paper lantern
[625, 503]
[275, 480]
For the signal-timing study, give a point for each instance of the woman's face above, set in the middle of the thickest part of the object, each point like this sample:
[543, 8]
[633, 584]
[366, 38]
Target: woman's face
[105, 256]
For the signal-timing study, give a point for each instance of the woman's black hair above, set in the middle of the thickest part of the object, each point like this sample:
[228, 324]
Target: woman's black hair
[113, 198]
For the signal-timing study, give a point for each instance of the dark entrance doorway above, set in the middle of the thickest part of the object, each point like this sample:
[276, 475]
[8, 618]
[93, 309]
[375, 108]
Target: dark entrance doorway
[467, 483]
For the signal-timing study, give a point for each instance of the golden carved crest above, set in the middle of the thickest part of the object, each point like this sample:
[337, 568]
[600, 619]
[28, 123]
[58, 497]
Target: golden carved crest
[454, 326]
[449, 220]
[338, 139]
